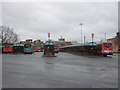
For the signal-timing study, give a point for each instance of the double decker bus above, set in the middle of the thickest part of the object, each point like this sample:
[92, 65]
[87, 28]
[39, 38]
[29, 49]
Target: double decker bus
[105, 48]
[28, 48]
[7, 48]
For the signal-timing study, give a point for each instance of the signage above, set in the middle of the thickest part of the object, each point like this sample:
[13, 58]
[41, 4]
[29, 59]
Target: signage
[48, 34]
[92, 35]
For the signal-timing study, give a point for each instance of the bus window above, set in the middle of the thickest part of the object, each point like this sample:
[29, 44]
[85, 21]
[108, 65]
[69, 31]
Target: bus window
[6, 46]
[27, 46]
[107, 45]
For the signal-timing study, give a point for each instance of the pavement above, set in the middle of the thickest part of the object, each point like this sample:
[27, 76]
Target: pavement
[64, 71]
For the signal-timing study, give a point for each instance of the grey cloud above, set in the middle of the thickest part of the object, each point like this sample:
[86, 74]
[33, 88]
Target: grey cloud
[61, 19]
[0, 17]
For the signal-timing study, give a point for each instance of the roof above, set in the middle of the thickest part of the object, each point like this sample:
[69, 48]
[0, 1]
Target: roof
[84, 44]
[16, 44]
[49, 43]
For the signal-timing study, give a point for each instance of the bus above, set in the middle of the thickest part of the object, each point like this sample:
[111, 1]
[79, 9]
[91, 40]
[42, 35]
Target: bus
[105, 48]
[36, 49]
[7, 48]
[56, 49]
[28, 48]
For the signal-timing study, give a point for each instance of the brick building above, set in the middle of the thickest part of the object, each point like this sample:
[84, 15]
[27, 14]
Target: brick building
[115, 41]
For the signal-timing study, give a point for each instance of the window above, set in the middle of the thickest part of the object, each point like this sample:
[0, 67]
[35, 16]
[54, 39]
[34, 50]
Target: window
[107, 45]
[6, 46]
[27, 45]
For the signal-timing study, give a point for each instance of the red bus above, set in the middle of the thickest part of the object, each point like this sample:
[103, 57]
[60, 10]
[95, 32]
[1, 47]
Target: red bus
[36, 49]
[7, 48]
[105, 48]
[56, 49]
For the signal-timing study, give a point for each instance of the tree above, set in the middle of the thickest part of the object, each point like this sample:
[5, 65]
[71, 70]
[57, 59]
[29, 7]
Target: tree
[7, 35]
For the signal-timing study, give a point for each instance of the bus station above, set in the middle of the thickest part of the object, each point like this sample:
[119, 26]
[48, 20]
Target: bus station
[58, 44]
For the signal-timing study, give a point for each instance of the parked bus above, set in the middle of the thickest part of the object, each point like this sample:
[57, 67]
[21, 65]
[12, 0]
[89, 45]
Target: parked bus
[28, 48]
[105, 48]
[36, 49]
[56, 49]
[7, 48]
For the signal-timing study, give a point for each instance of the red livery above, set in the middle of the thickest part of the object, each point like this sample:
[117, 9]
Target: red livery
[36, 49]
[7, 48]
[105, 48]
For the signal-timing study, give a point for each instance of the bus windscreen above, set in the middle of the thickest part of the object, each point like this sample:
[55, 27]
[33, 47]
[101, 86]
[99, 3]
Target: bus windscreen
[107, 45]
[27, 46]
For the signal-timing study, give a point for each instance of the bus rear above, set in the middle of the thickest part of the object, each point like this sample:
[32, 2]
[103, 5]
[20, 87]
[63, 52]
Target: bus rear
[105, 48]
[36, 49]
[7, 49]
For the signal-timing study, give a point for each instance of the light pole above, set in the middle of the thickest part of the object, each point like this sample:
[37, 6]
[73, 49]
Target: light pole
[84, 39]
[105, 37]
[81, 31]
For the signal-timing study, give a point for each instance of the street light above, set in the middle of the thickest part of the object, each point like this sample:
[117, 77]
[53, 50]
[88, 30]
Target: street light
[81, 31]
[105, 37]
[84, 39]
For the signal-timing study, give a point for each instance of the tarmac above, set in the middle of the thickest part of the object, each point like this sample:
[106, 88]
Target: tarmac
[64, 71]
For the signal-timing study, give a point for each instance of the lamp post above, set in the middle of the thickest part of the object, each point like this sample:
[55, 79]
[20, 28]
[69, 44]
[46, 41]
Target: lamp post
[92, 37]
[105, 37]
[81, 31]
[84, 39]
[48, 36]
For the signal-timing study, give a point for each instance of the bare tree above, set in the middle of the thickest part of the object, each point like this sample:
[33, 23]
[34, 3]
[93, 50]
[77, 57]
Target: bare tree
[7, 34]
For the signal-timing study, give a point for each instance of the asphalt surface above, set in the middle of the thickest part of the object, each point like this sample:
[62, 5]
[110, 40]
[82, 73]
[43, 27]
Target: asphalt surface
[64, 71]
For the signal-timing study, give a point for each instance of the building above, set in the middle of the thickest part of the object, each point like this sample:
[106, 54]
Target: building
[115, 41]
[22, 42]
[30, 41]
[61, 39]
[38, 43]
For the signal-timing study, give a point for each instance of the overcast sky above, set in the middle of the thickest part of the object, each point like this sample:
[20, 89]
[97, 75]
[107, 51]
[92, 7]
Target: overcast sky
[34, 20]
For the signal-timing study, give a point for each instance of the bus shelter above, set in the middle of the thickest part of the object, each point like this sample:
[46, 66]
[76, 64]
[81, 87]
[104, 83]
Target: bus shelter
[18, 48]
[49, 49]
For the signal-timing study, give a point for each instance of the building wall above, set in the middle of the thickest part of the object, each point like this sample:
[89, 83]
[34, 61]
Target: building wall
[115, 41]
